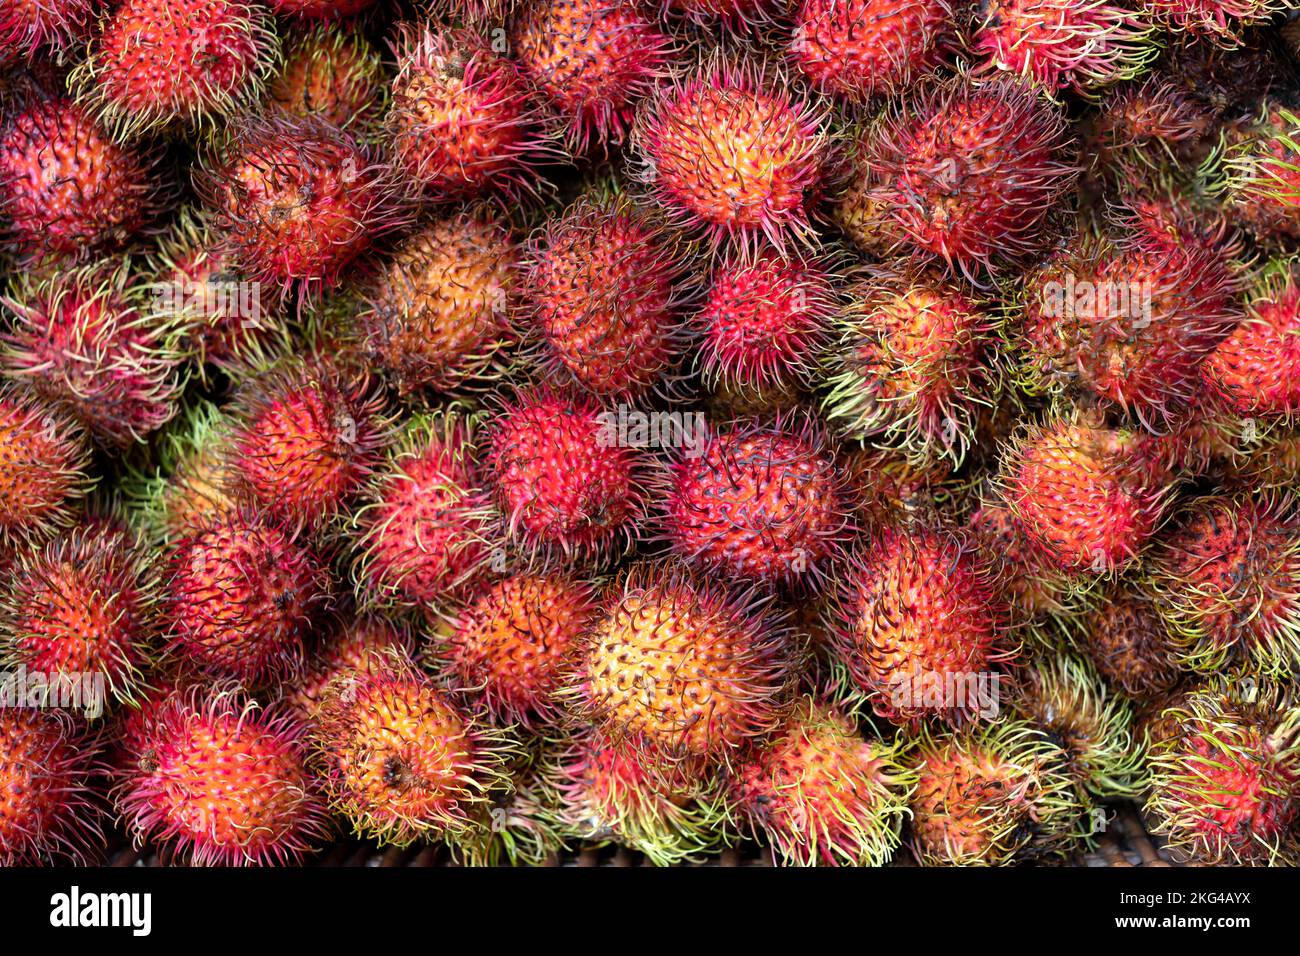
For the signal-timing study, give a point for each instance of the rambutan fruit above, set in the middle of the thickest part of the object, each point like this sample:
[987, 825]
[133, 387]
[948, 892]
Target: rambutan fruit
[66, 189]
[854, 207]
[912, 363]
[85, 341]
[919, 627]
[223, 783]
[991, 797]
[426, 529]
[1256, 369]
[48, 811]
[594, 60]
[320, 9]
[734, 15]
[1223, 783]
[761, 503]
[305, 440]
[677, 667]
[158, 63]
[239, 599]
[566, 481]
[969, 172]
[735, 155]
[1219, 21]
[1065, 699]
[403, 763]
[514, 644]
[295, 201]
[44, 458]
[1089, 497]
[462, 117]
[1227, 580]
[1256, 174]
[1140, 126]
[1127, 639]
[334, 73]
[762, 324]
[81, 609]
[862, 49]
[602, 291]
[28, 25]
[602, 793]
[364, 644]
[1076, 45]
[820, 794]
[438, 309]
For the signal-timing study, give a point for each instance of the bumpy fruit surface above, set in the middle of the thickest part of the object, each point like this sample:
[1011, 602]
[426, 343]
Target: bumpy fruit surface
[332, 73]
[1257, 367]
[1128, 640]
[43, 462]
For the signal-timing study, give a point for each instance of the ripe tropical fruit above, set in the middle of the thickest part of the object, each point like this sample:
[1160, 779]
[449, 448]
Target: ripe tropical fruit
[81, 609]
[1256, 369]
[1088, 496]
[44, 462]
[305, 439]
[1074, 45]
[593, 59]
[1128, 640]
[438, 309]
[180, 63]
[26, 26]
[913, 363]
[758, 502]
[1218, 21]
[223, 783]
[66, 189]
[602, 292]
[991, 797]
[919, 626]
[332, 72]
[426, 530]
[734, 155]
[1223, 783]
[86, 341]
[566, 482]
[600, 793]
[1257, 174]
[821, 795]
[49, 812]
[239, 599]
[513, 645]
[677, 667]
[354, 644]
[1227, 580]
[295, 201]
[859, 50]
[402, 761]
[462, 118]
[968, 172]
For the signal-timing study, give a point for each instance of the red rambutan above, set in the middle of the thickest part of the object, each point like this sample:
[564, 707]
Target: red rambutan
[44, 458]
[1256, 369]
[1256, 172]
[28, 25]
[333, 73]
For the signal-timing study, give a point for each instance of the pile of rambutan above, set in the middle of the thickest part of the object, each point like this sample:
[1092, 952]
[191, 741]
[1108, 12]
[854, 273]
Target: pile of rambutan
[838, 432]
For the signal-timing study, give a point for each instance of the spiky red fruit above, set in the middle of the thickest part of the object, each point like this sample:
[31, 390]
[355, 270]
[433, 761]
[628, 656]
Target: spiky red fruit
[425, 531]
[1034, 586]
[513, 645]
[1089, 497]
[762, 323]
[1257, 368]
[1128, 640]
[224, 783]
[43, 461]
[28, 25]
[239, 599]
[594, 59]
[81, 341]
[762, 503]
[332, 73]
[565, 480]
[861, 49]
[677, 667]
[920, 626]
[296, 200]
[48, 813]
[66, 189]
[305, 441]
[438, 309]
[735, 155]
[1066, 44]
[403, 763]
[364, 645]
[969, 172]
[601, 292]
[823, 795]
[1260, 174]
[461, 117]
[80, 609]
[1220, 21]
[186, 62]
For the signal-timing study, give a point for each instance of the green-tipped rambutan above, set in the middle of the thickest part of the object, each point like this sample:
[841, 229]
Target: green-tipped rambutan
[1256, 172]
[334, 73]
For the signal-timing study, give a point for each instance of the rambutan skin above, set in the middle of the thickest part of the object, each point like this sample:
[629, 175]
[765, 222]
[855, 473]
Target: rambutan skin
[224, 782]
[320, 9]
[28, 25]
[355, 644]
[1256, 369]
[1128, 640]
[333, 73]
